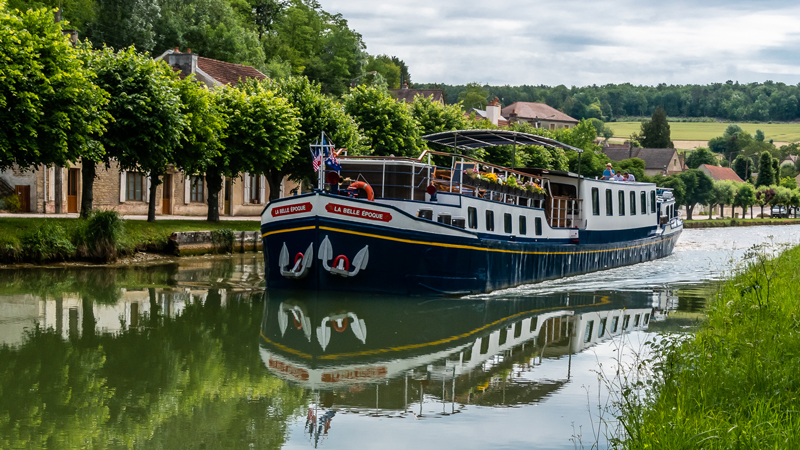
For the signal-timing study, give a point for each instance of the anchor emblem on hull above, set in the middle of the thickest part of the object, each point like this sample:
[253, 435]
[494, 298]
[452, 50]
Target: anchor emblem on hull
[339, 322]
[302, 262]
[341, 265]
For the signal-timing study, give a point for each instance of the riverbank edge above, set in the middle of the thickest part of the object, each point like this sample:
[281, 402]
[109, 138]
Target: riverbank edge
[733, 383]
[722, 223]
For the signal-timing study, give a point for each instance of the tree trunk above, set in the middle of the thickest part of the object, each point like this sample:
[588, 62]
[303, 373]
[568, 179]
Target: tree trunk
[214, 183]
[751, 212]
[155, 180]
[689, 209]
[274, 178]
[88, 169]
[762, 212]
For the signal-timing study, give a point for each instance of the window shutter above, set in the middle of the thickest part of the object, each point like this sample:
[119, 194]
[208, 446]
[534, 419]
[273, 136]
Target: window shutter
[246, 198]
[122, 185]
[261, 196]
[283, 188]
[146, 193]
[187, 190]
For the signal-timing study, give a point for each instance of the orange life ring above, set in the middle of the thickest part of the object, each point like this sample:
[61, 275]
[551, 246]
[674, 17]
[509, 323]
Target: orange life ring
[338, 328]
[366, 187]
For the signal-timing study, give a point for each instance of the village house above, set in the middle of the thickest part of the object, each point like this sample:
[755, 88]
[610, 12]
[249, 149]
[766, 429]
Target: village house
[665, 161]
[720, 173]
[539, 115]
[58, 190]
[492, 113]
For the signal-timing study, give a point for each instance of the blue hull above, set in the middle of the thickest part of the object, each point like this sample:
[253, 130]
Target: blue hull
[414, 263]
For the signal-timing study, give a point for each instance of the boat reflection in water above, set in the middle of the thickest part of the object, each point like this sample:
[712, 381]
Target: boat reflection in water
[398, 357]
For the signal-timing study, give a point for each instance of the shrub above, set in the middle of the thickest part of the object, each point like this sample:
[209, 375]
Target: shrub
[222, 239]
[46, 243]
[102, 234]
[12, 204]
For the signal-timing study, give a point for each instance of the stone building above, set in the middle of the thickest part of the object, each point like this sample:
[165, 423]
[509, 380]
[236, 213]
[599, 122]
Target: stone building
[665, 161]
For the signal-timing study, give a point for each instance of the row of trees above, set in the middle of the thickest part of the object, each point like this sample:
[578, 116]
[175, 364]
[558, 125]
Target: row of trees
[730, 100]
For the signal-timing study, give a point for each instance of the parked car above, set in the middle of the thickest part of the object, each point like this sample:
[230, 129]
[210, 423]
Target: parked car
[780, 211]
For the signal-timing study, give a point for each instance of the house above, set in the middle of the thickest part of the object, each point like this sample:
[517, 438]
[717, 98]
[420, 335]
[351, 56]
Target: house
[539, 115]
[404, 94]
[491, 113]
[665, 161]
[59, 190]
[720, 173]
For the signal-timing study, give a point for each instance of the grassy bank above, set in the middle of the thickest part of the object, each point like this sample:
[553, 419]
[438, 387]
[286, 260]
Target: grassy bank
[703, 131]
[735, 383]
[717, 223]
[48, 239]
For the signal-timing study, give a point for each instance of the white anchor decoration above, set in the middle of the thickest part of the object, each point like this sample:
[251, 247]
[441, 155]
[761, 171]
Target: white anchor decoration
[340, 263]
[340, 321]
[301, 265]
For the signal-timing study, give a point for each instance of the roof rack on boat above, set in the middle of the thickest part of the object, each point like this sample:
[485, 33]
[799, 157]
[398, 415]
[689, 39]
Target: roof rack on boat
[472, 139]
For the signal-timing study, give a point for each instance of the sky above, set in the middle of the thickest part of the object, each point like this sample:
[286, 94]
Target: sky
[582, 43]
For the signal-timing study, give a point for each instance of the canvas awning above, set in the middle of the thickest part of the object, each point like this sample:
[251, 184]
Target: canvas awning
[472, 139]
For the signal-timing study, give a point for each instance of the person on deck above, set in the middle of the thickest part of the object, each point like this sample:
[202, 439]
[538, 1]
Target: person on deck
[629, 177]
[332, 178]
[609, 172]
[432, 192]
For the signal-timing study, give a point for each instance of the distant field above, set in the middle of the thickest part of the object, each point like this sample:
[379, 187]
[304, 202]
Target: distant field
[701, 131]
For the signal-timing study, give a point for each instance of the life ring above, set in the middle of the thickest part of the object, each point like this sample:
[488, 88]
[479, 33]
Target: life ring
[337, 327]
[346, 262]
[366, 187]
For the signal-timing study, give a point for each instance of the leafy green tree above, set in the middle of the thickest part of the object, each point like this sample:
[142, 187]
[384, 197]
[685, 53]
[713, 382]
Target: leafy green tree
[49, 107]
[742, 167]
[764, 195]
[724, 192]
[631, 165]
[655, 132]
[608, 133]
[124, 23]
[766, 175]
[699, 189]
[782, 197]
[434, 117]
[745, 197]
[148, 124]
[77, 13]
[759, 137]
[789, 182]
[264, 13]
[699, 157]
[384, 65]
[473, 96]
[677, 185]
[388, 126]
[317, 113]
[592, 163]
[262, 134]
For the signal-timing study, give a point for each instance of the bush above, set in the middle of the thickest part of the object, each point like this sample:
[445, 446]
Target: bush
[103, 233]
[12, 204]
[222, 240]
[47, 243]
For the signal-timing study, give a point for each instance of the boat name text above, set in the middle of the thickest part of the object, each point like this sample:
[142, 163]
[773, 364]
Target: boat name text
[358, 212]
[291, 209]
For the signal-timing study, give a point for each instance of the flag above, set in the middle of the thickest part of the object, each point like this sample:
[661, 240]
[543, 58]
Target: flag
[333, 161]
[317, 161]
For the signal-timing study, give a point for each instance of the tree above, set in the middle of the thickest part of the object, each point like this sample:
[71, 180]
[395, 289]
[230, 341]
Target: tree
[631, 165]
[745, 197]
[766, 176]
[262, 134]
[742, 167]
[764, 195]
[699, 189]
[789, 182]
[678, 187]
[148, 121]
[49, 107]
[434, 117]
[316, 113]
[759, 136]
[699, 157]
[655, 132]
[473, 96]
[384, 65]
[124, 23]
[386, 124]
[724, 192]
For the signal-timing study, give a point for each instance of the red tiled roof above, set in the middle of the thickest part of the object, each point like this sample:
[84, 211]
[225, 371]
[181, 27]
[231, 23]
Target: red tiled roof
[721, 173]
[530, 110]
[227, 73]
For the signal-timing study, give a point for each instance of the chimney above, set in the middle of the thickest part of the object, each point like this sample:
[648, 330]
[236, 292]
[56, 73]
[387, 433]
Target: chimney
[186, 62]
[404, 86]
[493, 111]
[188, 50]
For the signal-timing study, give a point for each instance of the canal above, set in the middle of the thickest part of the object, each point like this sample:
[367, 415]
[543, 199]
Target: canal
[193, 353]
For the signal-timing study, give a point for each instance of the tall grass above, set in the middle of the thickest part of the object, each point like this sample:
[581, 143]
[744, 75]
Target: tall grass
[103, 233]
[736, 382]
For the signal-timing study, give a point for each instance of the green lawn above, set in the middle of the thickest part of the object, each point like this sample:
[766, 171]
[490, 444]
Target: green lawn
[702, 131]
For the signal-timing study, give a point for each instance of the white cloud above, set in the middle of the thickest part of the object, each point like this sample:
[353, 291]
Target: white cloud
[580, 43]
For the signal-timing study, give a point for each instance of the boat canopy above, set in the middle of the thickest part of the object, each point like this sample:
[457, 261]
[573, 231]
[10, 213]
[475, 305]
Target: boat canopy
[472, 139]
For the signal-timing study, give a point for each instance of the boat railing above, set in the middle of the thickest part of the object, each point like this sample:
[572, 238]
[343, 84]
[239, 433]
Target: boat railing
[566, 212]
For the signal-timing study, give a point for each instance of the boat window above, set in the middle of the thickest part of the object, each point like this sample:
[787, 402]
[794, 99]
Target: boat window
[609, 203]
[636, 321]
[587, 335]
[646, 319]
[472, 214]
[503, 336]
[507, 222]
[518, 329]
[468, 354]
[633, 203]
[596, 201]
[489, 220]
[621, 196]
[426, 214]
[601, 328]
[614, 324]
[485, 345]
[523, 226]
[625, 321]
[643, 199]
[534, 322]
[459, 222]
[538, 224]
[652, 201]
[444, 218]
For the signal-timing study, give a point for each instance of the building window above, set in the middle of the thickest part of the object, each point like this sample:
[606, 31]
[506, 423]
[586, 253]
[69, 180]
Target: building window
[595, 201]
[609, 203]
[621, 196]
[507, 223]
[489, 220]
[523, 226]
[255, 188]
[552, 126]
[643, 199]
[472, 217]
[196, 192]
[135, 186]
[633, 203]
[653, 202]
[538, 225]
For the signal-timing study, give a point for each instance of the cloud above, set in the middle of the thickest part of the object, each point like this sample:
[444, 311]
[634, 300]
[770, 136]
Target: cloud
[582, 43]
